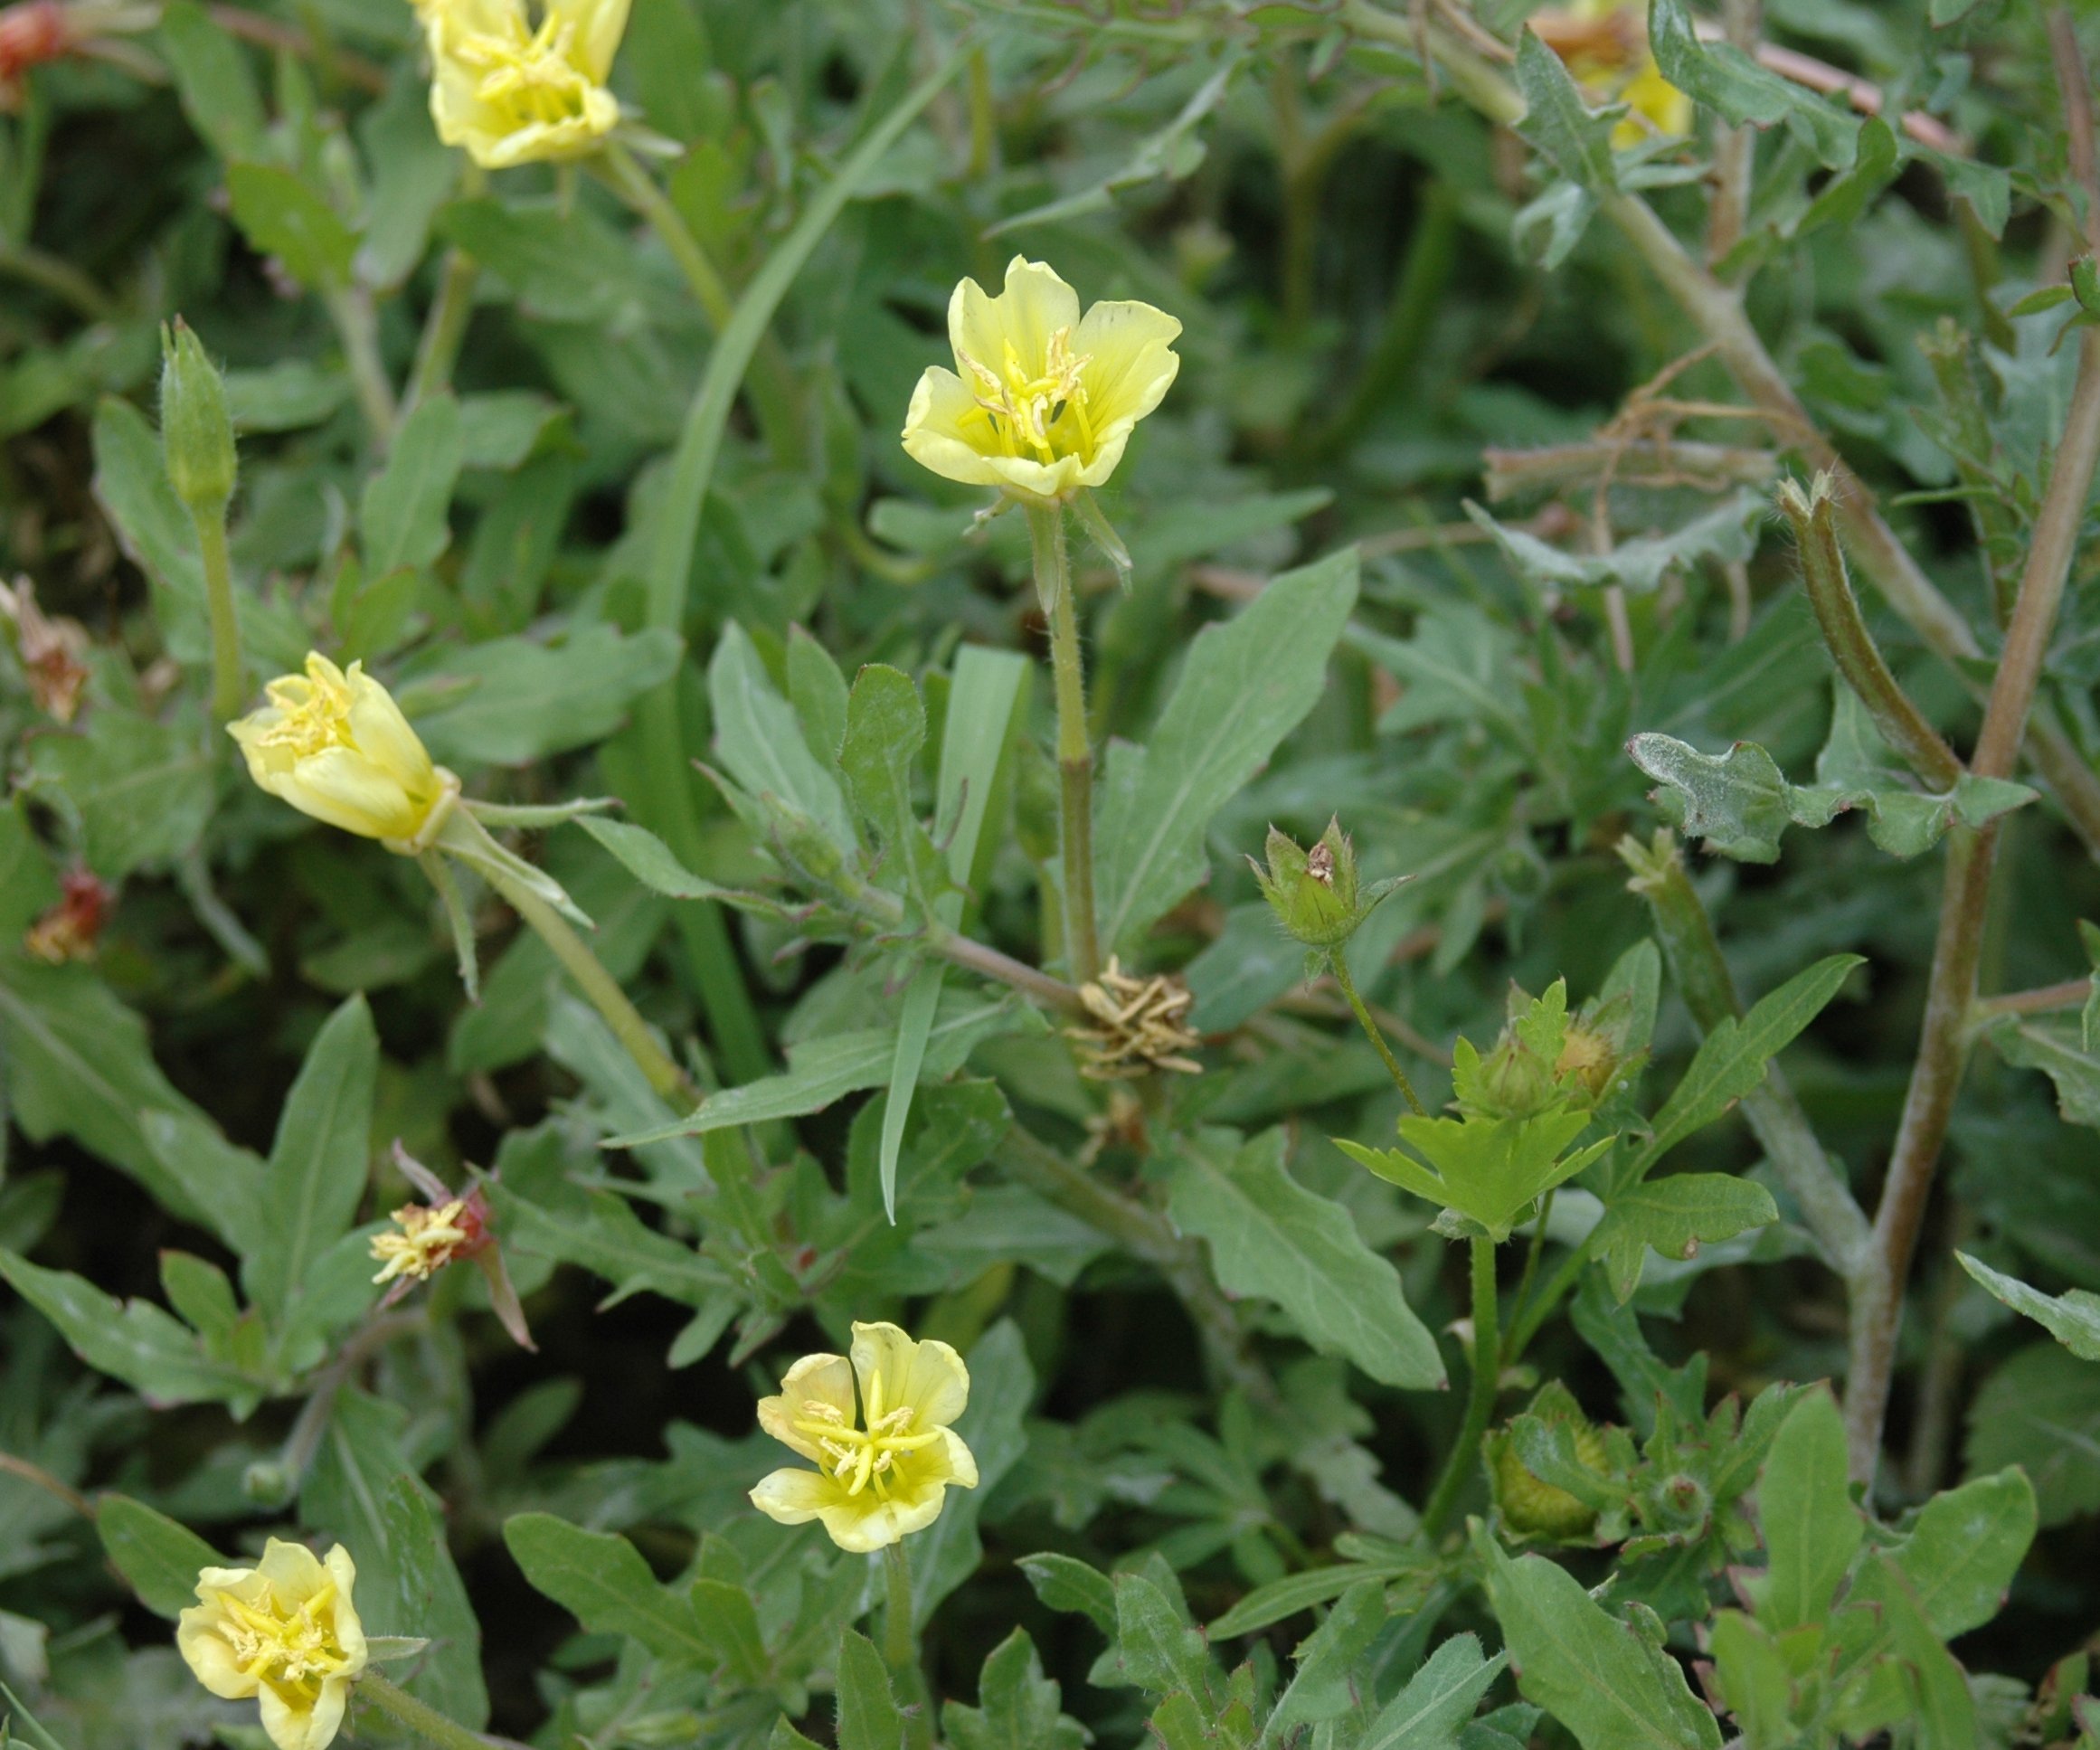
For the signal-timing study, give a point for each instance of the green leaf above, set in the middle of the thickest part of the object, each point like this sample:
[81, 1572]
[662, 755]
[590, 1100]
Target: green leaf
[564, 262]
[1675, 1216]
[1490, 1170]
[1270, 1603]
[283, 217]
[825, 1071]
[1438, 1701]
[601, 1580]
[1271, 1236]
[1594, 1674]
[2041, 1410]
[886, 727]
[1964, 1548]
[868, 1719]
[319, 1162]
[598, 1231]
[1558, 125]
[2055, 1045]
[1246, 686]
[1065, 1583]
[1731, 1059]
[433, 1603]
[213, 78]
[1739, 803]
[517, 699]
[1723, 79]
[1331, 1662]
[648, 859]
[403, 520]
[161, 1558]
[1728, 533]
[1156, 1649]
[1017, 1705]
[80, 1065]
[761, 742]
[1804, 1508]
[2073, 1319]
[818, 691]
[1751, 1674]
[136, 1341]
[728, 1621]
[1942, 1712]
[140, 791]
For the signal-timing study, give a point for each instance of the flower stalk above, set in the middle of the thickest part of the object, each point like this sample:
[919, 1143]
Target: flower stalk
[426, 1722]
[1487, 1363]
[1075, 745]
[1339, 961]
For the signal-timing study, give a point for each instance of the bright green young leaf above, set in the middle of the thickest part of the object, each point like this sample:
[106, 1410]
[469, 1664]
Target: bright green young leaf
[1271, 1237]
[2073, 1319]
[1492, 1169]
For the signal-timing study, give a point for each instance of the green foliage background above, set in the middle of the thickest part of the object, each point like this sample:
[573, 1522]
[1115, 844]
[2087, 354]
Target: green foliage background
[1438, 422]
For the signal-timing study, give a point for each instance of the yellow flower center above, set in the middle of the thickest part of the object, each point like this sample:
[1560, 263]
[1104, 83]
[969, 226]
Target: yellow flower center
[298, 1651]
[316, 714]
[864, 1457]
[1025, 409]
[531, 76]
[427, 1239]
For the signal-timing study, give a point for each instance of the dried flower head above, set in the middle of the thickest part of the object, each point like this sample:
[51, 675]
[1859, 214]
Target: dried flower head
[442, 1229]
[50, 651]
[72, 929]
[1138, 1026]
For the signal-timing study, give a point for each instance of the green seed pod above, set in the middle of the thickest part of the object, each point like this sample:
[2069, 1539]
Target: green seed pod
[196, 432]
[1314, 893]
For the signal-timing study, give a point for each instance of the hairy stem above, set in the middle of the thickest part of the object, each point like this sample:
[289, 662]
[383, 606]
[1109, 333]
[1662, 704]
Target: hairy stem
[1951, 992]
[1830, 591]
[1075, 746]
[444, 329]
[357, 328]
[901, 1649]
[1371, 1031]
[599, 985]
[1774, 1115]
[1465, 1453]
[227, 688]
[427, 1723]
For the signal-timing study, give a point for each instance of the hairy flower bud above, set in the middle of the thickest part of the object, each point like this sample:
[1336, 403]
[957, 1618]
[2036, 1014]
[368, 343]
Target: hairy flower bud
[1529, 1506]
[1314, 893]
[196, 432]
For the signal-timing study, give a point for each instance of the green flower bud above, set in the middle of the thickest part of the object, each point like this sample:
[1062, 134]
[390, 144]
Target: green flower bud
[196, 432]
[1314, 893]
[1530, 1507]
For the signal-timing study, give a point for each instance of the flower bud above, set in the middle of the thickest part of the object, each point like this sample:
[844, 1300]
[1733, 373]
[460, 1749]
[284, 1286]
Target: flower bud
[1314, 893]
[1529, 1506]
[196, 432]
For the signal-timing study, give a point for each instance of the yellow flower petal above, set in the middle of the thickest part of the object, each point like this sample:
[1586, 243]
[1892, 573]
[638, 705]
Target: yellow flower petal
[512, 92]
[929, 1378]
[1034, 304]
[598, 24]
[819, 1387]
[1130, 361]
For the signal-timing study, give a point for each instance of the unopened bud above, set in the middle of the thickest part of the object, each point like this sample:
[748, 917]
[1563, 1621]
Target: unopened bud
[1314, 893]
[1531, 1507]
[196, 432]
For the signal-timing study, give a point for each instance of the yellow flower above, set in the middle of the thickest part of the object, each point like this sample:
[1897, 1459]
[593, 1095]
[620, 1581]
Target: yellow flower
[335, 746]
[877, 1482]
[513, 94]
[284, 1632]
[428, 1239]
[1047, 399]
[1653, 98]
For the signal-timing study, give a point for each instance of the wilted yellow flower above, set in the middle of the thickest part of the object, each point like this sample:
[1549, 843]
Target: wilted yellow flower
[1604, 44]
[512, 93]
[1047, 399]
[884, 1477]
[284, 1632]
[335, 746]
[425, 1239]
